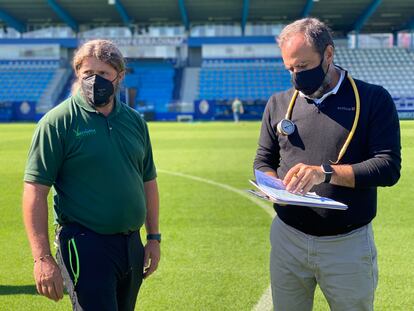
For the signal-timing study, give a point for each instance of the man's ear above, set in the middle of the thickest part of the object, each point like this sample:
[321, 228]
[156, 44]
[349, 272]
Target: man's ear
[329, 54]
[77, 75]
[121, 75]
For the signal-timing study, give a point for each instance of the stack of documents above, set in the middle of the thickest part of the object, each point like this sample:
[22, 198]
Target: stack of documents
[273, 189]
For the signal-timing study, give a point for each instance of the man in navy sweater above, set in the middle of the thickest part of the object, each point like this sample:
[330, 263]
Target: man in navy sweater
[341, 139]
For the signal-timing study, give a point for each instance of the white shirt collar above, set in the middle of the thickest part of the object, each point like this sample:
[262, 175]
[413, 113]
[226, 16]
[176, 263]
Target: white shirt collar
[333, 91]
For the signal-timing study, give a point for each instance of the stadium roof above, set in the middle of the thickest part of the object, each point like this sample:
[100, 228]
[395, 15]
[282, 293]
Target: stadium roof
[374, 16]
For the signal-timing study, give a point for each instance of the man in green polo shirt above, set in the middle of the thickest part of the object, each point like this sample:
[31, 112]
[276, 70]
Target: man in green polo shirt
[96, 153]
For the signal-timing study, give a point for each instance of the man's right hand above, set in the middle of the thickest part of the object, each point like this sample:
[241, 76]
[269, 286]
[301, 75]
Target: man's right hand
[48, 278]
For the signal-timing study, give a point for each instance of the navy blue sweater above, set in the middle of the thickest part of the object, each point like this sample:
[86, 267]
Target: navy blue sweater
[374, 152]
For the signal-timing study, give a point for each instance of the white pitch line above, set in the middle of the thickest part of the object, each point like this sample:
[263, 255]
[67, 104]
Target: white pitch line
[258, 202]
[265, 302]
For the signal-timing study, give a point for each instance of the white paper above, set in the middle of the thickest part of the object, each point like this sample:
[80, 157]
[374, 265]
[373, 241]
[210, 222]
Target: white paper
[276, 192]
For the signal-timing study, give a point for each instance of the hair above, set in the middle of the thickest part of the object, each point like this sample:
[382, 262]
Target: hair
[316, 33]
[103, 50]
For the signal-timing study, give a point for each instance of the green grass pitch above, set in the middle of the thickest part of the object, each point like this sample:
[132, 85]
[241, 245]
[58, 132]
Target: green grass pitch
[215, 249]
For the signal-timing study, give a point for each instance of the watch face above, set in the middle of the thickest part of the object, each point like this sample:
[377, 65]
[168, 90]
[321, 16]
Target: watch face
[327, 169]
[287, 126]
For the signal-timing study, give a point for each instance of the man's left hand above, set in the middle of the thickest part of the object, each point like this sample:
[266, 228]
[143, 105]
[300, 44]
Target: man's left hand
[301, 178]
[152, 257]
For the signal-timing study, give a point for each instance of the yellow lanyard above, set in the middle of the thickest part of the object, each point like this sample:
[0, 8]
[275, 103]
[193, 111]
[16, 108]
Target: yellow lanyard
[357, 112]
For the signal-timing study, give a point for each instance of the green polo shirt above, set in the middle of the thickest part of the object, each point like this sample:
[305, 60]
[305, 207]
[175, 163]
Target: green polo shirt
[97, 165]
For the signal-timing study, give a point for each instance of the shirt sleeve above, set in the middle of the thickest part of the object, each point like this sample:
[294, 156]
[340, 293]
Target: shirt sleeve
[150, 172]
[45, 155]
[384, 146]
[267, 154]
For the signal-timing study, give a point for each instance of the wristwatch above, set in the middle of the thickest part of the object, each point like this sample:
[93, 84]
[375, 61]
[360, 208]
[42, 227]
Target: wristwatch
[154, 237]
[328, 171]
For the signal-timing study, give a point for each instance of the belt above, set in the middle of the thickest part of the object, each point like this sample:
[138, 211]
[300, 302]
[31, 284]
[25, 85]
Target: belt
[77, 225]
[129, 232]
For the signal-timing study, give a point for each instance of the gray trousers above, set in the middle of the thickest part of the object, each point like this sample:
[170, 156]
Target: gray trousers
[344, 266]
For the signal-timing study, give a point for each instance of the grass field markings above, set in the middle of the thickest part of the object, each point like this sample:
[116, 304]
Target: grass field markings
[265, 301]
[268, 209]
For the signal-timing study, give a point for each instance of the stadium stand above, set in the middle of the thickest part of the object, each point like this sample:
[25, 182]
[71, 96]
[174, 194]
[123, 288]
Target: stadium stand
[29, 88]
[259, 78]
[248, 79]
[392, 68]
[25, 80]
[195, 52]
[251, 79]
[154, 82]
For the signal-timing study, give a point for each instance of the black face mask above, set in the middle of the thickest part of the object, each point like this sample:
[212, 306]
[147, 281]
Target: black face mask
[97, 90]
[309, 81]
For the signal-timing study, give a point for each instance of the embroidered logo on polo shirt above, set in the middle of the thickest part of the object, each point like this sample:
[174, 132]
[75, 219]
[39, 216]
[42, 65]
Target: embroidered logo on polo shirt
[84, 132]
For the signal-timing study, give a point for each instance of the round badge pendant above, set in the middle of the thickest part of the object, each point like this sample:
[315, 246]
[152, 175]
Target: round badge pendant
[286, 127]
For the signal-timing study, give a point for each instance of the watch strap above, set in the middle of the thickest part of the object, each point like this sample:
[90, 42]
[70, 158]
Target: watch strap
[328, 171]
[154, 236]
